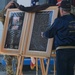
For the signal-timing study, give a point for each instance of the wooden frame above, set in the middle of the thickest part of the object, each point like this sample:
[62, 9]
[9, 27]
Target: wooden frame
[33, 34]
[14, 30]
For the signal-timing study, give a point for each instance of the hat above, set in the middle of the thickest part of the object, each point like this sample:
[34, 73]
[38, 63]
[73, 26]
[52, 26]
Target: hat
[65, 5]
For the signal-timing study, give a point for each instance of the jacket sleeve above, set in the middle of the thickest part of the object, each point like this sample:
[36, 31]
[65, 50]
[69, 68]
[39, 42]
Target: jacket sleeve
[35, 8]
[52, 30]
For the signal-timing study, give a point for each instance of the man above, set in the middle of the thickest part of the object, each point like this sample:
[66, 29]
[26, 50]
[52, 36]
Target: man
[13, 4]
[8, 59]
[63, 32]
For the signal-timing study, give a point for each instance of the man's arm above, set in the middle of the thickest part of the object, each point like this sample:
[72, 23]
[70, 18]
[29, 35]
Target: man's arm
[35, 8]
[52, 30]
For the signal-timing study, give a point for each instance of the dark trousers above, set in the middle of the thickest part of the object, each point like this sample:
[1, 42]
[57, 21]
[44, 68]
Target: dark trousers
[65, 60]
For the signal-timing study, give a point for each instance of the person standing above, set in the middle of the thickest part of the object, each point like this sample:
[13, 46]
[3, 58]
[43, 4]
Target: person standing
[8, 58]
[13, 4]
[63, 32]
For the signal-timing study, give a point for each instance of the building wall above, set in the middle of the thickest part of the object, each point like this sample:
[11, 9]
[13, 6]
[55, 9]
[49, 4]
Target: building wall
[3, 3]
[24, 2]
[43, 1]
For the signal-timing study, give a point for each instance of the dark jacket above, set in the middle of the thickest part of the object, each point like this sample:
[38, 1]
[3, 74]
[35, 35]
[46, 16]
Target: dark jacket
[63, 31]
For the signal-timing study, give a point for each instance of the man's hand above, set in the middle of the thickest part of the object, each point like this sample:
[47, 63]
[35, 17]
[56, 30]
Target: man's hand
[42, 34]
[9, 4]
